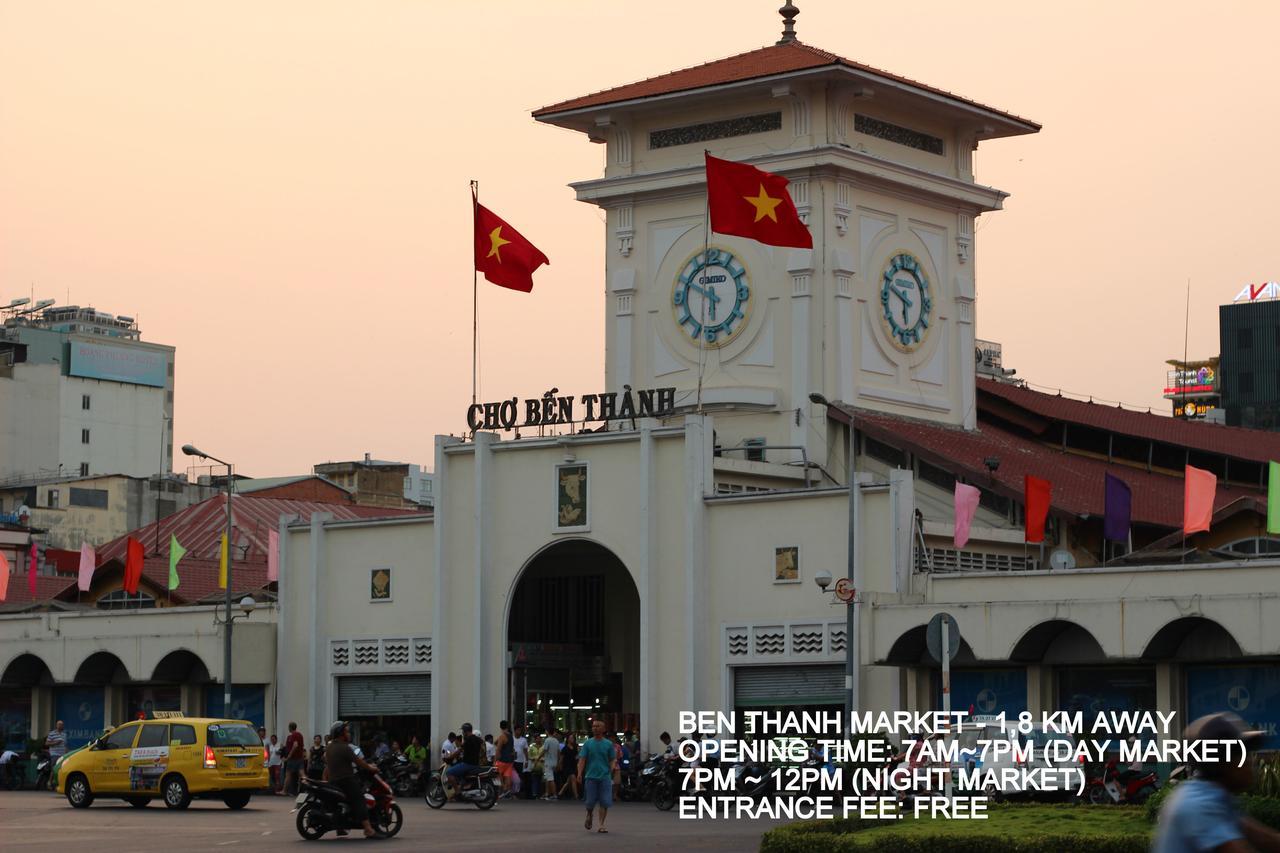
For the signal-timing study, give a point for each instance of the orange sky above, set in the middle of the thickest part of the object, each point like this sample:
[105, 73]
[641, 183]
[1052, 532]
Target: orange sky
[280, 188]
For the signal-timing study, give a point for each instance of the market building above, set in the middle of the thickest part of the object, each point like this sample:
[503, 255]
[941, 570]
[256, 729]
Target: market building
[654, 548]
[95, 658]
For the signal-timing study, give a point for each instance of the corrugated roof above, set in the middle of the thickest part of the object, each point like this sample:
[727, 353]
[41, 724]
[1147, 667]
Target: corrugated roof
[47, 586]
[1077, 480]
[1236, 442]
[764, 62]
[199, 527]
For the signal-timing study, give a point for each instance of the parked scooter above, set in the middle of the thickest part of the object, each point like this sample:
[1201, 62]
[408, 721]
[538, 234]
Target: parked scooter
[44, 770]
[479, 787]
[399, 773]
[322, 807]
[666, 786]
[1109, 787]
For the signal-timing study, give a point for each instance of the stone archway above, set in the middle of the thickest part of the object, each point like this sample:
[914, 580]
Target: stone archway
[573, 640]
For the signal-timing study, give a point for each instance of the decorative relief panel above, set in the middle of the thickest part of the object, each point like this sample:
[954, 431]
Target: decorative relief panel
[799, 641]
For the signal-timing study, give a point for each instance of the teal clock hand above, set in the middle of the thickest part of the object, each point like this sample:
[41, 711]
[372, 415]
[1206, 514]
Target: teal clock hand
[906, 300]
[710, 295]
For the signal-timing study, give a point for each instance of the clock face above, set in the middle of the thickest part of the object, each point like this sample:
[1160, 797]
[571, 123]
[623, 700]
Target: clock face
[905, 301]
[711, 297]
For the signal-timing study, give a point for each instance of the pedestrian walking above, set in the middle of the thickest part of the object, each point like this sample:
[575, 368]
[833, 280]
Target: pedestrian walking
[275, 762]
[569, 767]
[505, 756]
[295, 758]
[596, 763]
[1202, 814]
[315, 759]
[550, 762]
[521, 766]
[535, 768]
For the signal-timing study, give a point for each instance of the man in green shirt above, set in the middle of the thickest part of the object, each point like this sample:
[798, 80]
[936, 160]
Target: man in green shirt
[596, 761]
[416, 753]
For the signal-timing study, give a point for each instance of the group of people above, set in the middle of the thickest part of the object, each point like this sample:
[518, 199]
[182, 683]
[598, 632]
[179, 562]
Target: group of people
[547, 766]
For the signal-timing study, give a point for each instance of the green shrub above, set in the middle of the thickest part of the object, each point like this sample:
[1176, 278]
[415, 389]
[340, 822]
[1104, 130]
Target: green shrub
[1262, 809]
[1156, 800]
[787, 840]
[1266, 782]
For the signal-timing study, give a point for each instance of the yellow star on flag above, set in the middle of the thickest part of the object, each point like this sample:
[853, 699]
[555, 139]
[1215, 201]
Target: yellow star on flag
[765, 205]
[496, 242]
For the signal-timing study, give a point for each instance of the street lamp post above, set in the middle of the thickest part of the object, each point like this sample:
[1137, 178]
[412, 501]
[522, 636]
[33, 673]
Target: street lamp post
[190, 450]
[852, 697]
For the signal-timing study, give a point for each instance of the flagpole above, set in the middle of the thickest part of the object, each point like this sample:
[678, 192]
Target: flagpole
[475, 294]
[702, 315]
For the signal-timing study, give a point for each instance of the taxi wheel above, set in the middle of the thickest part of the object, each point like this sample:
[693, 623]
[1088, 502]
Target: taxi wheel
[78, 792]
[176, 795]
[237, 800]
[138, 802]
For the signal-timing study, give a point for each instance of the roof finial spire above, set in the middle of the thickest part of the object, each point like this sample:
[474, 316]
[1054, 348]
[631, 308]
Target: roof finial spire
[788, 13]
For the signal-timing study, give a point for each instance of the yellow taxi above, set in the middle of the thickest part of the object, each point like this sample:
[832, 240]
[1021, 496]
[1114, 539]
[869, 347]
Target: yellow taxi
[177, 758]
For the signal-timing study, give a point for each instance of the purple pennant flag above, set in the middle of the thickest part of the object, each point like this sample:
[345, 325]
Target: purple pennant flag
[1119, 504]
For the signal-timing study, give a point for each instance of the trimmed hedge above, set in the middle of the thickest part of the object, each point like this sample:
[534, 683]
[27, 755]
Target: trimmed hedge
[1047, 835]
[1262, 809]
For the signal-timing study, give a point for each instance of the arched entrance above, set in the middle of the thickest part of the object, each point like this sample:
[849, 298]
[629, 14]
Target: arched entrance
[573, 640]
[17, 682]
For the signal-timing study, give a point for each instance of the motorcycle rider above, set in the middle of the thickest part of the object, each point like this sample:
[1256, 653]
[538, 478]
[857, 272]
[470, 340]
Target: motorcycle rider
[472, 753]
[341, 762]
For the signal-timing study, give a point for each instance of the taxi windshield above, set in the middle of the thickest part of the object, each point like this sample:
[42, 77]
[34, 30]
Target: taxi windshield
[233, 734]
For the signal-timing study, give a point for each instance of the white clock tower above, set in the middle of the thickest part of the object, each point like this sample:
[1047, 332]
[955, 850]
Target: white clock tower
[879, 314]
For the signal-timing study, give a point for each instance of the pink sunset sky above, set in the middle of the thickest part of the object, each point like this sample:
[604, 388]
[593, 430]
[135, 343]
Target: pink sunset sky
[279, 189]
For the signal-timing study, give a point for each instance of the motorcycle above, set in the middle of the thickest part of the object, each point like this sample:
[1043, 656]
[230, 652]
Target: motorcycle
[322, 807]
[629, 788]
[666, 787]
[1110, 788]
[44, 770]
[399, 774]
[752, 780]
[479, 787]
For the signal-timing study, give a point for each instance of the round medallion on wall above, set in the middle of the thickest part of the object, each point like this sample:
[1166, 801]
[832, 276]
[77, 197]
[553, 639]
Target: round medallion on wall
[711, 298]
[905, 301]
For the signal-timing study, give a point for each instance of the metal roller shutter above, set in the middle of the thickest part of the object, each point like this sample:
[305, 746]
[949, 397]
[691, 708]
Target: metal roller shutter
[371, 695]
[769, 686]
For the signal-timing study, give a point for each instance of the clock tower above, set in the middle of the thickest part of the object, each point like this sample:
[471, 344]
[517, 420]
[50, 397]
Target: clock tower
[878, 315]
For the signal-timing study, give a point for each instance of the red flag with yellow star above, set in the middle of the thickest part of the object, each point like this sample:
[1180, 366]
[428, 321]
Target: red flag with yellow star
[750, 202]
[504, 256]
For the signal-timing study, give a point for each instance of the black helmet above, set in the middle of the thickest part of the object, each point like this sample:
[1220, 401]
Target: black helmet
[336, 730]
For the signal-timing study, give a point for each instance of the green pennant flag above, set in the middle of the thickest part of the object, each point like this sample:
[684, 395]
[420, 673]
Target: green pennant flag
[1273, 498]
[176, 553]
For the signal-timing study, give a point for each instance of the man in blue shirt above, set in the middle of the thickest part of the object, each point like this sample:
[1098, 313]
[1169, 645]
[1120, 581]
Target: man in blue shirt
[1201, 814]
[596, 762]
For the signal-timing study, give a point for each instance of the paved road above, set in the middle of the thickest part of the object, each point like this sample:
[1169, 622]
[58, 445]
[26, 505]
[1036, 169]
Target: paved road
[34, 822]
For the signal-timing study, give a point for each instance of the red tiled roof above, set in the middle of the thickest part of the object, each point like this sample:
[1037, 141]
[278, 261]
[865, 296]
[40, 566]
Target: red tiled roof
[1077, 480]
[199, 528]
[47, 586]
[1236, 442]
[764, 62]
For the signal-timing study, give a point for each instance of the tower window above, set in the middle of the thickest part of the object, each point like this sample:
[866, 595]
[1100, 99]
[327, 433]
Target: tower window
[84, 402]
[755, 449]
[84, 436]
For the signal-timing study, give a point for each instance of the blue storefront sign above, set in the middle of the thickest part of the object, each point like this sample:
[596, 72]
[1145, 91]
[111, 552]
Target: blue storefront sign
[248, 702]
[986, 691]
[1253, 692]
[83, 712]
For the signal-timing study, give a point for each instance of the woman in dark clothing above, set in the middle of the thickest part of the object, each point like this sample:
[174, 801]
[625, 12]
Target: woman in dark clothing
[569, 765]
[315, 759]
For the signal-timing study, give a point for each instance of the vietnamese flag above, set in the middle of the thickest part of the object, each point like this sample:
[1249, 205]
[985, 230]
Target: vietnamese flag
[1038, 494]
[748, 202]
[4, 576]
[503, 254]
[132, 565]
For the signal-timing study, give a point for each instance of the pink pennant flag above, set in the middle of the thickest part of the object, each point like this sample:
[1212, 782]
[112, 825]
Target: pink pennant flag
[966, 509]
[31, 572]
[273, 555]
[88, 559]
[1199, 490]
[4, 576]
